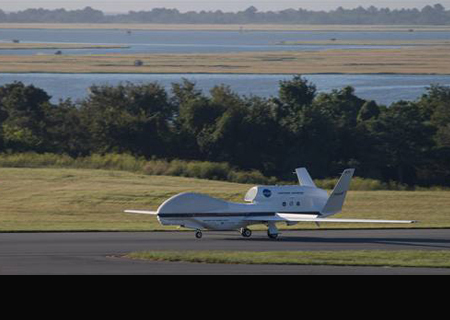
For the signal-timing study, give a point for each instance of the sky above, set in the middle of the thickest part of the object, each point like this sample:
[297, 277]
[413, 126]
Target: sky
[197, 5]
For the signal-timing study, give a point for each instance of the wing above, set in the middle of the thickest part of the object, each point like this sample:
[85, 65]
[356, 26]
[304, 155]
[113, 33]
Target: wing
[153, 213]
[285, 218]
[318, 220]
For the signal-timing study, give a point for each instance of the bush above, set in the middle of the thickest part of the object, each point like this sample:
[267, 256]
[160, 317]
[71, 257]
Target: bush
[33, 160]
[361, 184]
[253, 177]
[178, 168]
[126, 162]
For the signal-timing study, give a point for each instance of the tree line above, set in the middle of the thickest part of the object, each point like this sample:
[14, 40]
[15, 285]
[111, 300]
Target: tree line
[407, 142]
[430, 15]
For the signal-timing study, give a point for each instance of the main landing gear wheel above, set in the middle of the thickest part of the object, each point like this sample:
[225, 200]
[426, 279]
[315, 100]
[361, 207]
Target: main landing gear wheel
[272, 236]
[199, 234]
[246, 233]
[272, 233]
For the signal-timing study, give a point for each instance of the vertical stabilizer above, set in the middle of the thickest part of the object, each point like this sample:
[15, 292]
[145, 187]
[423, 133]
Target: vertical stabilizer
[304, 178]
[337, 198]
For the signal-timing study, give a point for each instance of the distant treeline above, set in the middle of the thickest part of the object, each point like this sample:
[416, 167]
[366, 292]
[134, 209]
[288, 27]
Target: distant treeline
[407, 142]
[429, 15]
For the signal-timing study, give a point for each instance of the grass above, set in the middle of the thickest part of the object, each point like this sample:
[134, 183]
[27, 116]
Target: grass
[418, 259]
[58, 199]
[90, 200]
[338, 42]
[406, 60]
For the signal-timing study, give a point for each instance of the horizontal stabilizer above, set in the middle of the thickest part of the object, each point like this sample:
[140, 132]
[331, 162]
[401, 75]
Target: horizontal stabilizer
[153, 213]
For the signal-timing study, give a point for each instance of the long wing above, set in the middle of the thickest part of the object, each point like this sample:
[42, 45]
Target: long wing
[318, 220]
[153, 213]
[281, 218]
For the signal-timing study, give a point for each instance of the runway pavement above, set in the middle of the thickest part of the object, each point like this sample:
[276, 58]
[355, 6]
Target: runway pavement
[101, 253]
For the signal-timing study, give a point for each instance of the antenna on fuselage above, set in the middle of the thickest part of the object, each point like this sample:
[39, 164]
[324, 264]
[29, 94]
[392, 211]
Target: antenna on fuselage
[304, 178]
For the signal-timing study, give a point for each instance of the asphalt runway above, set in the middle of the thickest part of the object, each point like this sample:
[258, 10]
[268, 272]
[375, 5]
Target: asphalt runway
[101, 253]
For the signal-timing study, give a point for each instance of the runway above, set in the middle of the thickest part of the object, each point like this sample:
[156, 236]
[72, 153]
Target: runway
[101, 253]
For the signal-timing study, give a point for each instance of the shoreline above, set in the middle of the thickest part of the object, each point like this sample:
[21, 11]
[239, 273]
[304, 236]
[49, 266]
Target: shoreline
[44, 46]
[228, 27]
[230, 73]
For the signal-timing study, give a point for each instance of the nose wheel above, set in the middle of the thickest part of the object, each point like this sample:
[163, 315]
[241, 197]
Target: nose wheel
[246, 233]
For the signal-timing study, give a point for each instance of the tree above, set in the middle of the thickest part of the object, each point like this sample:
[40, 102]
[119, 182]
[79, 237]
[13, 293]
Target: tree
[436, 14]
[24, 127]
[251, 11]
[342, 108]
[295, 94]
[184, 92]
[370, 110]
[3, 117]
[403, 139]
[224, 106]
[129, 118]
[436, 105]
[66, 131]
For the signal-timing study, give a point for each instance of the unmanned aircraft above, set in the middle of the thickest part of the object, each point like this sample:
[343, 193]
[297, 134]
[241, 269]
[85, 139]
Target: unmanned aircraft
[266, 205]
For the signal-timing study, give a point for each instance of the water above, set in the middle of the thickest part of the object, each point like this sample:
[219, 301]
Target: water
[384, 89]
[141, 42]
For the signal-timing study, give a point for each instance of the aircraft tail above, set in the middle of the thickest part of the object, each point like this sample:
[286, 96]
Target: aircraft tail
[337, 198]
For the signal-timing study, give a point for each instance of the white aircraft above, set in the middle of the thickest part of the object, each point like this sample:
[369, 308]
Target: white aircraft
[267, 205]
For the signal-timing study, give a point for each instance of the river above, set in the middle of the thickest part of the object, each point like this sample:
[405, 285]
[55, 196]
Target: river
[384, 89]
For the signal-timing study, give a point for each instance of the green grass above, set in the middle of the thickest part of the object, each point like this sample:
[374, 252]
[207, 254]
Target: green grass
[88, 200]
[58, 199]
[422, 259]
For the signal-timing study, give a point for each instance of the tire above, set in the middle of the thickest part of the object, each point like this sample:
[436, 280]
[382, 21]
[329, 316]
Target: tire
[199, 235]
[272, 236]
[246, 233]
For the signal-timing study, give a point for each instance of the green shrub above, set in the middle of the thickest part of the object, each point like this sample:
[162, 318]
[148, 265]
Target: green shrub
[252, 177]
[361, 184]
[126, 162]
[179, 168]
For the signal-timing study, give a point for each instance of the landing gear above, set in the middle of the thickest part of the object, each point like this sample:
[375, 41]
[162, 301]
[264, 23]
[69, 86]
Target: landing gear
[198, 234]
[272, 236]
[272, 233]
[246, 233]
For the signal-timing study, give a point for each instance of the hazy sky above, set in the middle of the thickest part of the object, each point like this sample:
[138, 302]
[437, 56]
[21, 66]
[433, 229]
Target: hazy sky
[226, 5]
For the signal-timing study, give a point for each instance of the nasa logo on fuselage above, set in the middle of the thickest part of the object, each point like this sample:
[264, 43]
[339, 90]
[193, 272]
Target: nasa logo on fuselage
[267, 193]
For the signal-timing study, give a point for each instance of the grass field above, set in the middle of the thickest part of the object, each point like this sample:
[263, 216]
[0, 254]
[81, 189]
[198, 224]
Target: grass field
[416, 259]
[393, 43]
[88, 200]
[405, 60]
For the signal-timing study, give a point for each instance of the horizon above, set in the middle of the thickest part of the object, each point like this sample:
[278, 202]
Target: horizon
[117, 7]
